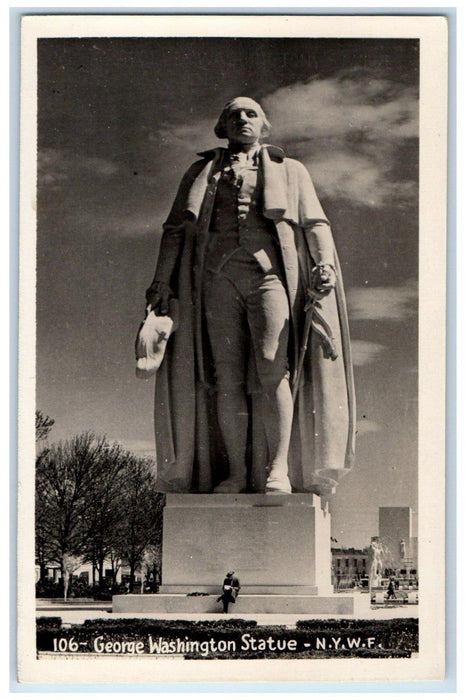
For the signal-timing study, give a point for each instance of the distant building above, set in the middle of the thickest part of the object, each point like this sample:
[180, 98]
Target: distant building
[395, 535]
[349, 566]
[85, 574]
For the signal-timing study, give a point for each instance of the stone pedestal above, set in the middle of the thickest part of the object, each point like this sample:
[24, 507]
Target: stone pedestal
[279, 547]
[269, 541]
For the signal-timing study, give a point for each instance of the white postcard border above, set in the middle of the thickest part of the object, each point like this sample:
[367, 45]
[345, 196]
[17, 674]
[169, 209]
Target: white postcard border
[429, 665]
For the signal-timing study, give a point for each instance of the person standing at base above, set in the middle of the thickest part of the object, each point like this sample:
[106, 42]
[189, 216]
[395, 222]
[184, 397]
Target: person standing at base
[248, 252]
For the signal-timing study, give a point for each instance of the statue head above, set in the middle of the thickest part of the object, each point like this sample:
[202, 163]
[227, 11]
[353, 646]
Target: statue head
[242, 121]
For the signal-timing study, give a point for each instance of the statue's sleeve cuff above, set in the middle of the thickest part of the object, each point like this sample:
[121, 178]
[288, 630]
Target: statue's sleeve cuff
[320, 241]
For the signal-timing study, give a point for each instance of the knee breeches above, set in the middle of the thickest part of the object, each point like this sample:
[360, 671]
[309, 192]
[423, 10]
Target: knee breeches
[247, 314]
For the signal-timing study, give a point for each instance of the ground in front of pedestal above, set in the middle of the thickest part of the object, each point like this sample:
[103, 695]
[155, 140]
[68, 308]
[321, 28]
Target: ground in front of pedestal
[370, 633]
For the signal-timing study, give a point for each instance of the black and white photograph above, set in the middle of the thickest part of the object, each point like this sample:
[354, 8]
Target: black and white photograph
[232, 318]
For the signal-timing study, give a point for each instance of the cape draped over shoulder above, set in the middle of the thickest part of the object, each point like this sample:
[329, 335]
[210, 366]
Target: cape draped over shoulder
[190, 454]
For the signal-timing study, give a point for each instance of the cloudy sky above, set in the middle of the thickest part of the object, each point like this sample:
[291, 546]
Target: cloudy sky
[120, 120]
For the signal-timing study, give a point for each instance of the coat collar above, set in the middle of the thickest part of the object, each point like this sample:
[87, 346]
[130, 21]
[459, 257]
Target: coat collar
[271, 161]
[288, 193]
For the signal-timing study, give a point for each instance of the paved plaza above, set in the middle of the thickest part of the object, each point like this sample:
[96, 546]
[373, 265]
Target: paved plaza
[75, 612]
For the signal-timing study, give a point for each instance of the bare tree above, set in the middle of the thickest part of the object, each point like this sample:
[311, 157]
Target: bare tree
[43, 425]
[114, 560]
[141, 522]
[95, 502]
[103, 515]
[65, 490]
[43, 550]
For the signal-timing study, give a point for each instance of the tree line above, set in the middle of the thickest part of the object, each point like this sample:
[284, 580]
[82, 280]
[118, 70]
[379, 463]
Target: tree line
[95, 503]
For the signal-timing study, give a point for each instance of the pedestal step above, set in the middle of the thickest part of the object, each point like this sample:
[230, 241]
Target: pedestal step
[248, 589]
[247, 603]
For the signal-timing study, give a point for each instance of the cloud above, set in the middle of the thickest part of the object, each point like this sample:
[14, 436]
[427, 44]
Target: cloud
[195, 136]
[141, 448]
[98, 196]
[54, 166]
[354, 131]
[364, 352]
[351, 105]
[350, 131]
[383, 303]
[358, 178]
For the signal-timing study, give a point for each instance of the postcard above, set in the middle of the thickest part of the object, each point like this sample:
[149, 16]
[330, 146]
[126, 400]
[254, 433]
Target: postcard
[232, 348]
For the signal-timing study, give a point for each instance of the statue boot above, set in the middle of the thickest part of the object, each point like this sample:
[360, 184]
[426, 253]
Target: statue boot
[231, 486]
[277, 479]
[236, 482]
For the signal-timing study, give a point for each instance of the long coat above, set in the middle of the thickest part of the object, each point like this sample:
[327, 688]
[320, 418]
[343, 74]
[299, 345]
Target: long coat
[190, 452]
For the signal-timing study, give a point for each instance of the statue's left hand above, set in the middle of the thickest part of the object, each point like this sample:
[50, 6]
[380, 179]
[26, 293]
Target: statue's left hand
[323, 280]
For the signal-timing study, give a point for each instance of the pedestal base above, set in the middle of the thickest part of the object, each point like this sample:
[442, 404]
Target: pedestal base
[263, 604]
[278, 546]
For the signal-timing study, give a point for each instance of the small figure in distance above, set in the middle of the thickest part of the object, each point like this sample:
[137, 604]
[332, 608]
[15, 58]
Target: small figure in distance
[391, 590]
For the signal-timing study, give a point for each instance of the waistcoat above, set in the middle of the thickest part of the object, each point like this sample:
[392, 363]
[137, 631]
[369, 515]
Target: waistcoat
[237, 222]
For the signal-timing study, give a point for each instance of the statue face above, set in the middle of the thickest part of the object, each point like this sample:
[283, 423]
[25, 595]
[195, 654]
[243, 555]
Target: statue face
[243, 122]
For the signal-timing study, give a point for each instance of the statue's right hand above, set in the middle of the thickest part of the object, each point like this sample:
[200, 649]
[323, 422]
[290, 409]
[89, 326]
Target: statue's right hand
[158, 295]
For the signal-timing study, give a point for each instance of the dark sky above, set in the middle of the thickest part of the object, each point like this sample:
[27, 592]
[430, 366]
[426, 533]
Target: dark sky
[119, 120]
